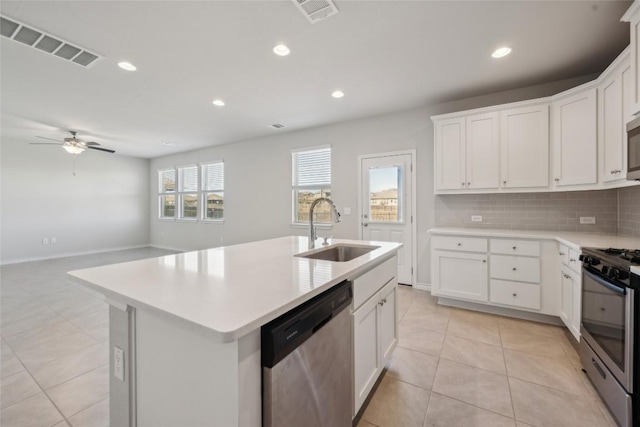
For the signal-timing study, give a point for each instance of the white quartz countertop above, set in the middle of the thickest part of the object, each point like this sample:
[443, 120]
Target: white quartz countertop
[572, 239]
[229, 291]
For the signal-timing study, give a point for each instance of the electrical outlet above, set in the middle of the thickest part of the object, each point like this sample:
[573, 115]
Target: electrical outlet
[587, 220]
[476, 218]
[45, 240]
[346, 211]
[118, 363]
[53, 240]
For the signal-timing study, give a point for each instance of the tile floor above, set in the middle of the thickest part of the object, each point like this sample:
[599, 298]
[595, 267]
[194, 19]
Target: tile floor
[54, 353]
[460, 368]
[451, 367]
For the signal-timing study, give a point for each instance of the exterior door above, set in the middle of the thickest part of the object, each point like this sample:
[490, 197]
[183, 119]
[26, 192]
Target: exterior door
[387, 205]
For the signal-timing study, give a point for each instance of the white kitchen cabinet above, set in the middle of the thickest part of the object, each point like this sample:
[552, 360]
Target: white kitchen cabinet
[614, 111]
[459, 275]
[467, 153]
[375, 334]
[575, 139]
[570, 300]
[633, 17]
[524, 147]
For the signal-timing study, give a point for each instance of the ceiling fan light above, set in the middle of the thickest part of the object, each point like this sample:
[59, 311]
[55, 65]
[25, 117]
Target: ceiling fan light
[72, 149]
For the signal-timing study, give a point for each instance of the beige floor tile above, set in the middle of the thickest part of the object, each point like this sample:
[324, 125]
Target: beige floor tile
[363, 423]
[571, 352]
[472, 385]
[65, 346]
[10, 365]
[543, 406]
[81, 392]
[433, 320]
[419, 339]
[474, 353]
[42, 336]
[62, 424]
[529, 327]
[36, 411]
[412, 367]
[532, 343]
[475, 316]
[396, 403]
[51, 373]
[100, 333]
[38, 320]
[478, 330]
[94, 416]
[17, 387]
[545, 371]
[446, 412]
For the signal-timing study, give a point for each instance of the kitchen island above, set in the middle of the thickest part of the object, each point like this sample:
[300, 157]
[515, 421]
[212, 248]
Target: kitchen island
[185, 328]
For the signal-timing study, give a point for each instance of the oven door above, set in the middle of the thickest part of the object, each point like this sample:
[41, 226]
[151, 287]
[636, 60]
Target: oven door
[607, 323]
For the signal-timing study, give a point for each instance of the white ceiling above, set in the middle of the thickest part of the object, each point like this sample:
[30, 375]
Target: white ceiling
[385, 55]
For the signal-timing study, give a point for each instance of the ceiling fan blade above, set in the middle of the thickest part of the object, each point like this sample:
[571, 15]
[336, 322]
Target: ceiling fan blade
[46, 143]
[51, 139]
[101, 149]
[91, 143]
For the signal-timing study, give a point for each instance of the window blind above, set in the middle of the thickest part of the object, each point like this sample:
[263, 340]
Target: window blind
[213, 177]
[167, 180]
[311, 167]
[188, 178]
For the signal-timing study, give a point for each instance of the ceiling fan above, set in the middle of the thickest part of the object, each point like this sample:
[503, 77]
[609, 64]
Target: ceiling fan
[73, 145]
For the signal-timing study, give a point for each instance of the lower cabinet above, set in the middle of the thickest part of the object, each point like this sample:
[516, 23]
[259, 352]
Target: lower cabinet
[375, 335]
[459, 275]
[570, 300]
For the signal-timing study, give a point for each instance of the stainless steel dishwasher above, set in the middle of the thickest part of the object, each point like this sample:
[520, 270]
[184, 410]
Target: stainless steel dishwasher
[306, 363]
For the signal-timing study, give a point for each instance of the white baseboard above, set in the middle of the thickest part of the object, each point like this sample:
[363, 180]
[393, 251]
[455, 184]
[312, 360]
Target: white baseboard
[170, 248]
[503, 311]
[70, 254]
[423, 286]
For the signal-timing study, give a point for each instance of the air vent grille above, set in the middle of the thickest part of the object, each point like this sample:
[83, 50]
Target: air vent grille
[38, 39]
[316, 10]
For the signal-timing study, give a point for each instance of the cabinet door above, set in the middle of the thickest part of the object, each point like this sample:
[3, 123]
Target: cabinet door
[524, 147]
[482, 151]
[611, 128]
[450, 156]
[575, 139]
[387, 321]
[566, 297]
[576, 282]
[627, 113]
[634, 18]
[366, 353]
[460, 275]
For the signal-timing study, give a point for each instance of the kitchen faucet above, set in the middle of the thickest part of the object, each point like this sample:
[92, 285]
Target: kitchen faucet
[312, 228]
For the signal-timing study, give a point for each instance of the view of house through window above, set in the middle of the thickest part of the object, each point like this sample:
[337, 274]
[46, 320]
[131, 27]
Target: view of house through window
[384, 186]
[311, 179]
[213, 190]
[188, 192]
[167, 181]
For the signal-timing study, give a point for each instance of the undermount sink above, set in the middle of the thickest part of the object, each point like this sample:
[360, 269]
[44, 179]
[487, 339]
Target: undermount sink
[339, 253]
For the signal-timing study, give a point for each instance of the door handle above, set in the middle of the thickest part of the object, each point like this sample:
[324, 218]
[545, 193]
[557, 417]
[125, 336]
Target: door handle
[365, 224]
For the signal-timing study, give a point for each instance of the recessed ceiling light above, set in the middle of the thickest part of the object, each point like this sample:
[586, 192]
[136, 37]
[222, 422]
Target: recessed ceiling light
[218, 102]
[170, 143]
[500, 52]
[127, 66]
[281, 50]
[337, 94]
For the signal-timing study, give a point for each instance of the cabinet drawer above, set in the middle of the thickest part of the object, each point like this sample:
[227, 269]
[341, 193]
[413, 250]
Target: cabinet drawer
[370, 282]
[563, 252]
[520, 269]
[467, 244]
[574, 260]
[515, 247]
[523, 295]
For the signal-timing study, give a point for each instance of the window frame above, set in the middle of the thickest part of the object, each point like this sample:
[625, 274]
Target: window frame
[162, 194]
[295, 189]
[180, 194]
[203, 191]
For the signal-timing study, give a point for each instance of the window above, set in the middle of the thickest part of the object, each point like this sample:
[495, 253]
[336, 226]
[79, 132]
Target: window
[188, 192]
[167, 189]
[213, 191]
[311, 179]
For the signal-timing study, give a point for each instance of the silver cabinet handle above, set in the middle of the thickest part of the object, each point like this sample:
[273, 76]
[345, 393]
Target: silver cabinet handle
[468, 183]
[515, 295]
[566, 276]
[572, 260]
[365, 224]
[561, 253]
[557, 179]
[514, 269]
[504, 182]
[380, 303]
[459, 244]
[463, 184]
[514, 248]
[484, 260]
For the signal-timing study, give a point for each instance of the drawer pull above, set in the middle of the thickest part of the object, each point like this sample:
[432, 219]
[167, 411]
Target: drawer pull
[572, 260]
[514, 269]
[561, 253]
[459, 244]
[484, 260]
[514, 248]
[515, 294]
[603, 309]
[381, 303]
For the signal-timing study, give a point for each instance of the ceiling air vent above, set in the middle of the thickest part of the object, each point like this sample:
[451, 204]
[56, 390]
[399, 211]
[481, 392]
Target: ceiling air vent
[276, 126]
[316, 10]
[38, 39]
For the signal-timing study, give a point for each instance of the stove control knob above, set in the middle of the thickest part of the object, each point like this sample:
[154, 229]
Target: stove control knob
[594, 261]
[623, 275]
[583, 257]
[613, 273]
[605, 269]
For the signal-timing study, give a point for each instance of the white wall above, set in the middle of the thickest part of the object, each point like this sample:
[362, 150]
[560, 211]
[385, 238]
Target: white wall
[258, 181]
[105, 206]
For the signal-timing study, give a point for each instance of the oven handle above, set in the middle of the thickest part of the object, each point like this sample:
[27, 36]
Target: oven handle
[608, 285]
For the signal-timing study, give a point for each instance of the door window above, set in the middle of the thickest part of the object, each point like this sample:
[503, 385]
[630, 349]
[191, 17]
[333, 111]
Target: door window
[385, 194]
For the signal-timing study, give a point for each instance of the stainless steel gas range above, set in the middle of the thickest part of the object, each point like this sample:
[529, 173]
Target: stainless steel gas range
[610, 339]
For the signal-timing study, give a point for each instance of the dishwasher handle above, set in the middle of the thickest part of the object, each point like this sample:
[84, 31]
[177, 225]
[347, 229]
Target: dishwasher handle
[284, 334]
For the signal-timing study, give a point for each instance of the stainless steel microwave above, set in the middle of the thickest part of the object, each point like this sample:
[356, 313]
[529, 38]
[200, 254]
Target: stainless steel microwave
[633, 149]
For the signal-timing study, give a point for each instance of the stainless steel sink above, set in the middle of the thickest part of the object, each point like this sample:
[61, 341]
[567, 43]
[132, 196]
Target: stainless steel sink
[339, 252]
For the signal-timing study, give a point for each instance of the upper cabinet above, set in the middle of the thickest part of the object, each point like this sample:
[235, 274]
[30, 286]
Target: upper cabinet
[524, 147]
[633, 17]
[574, 139]
[467, 151]
[615, 96]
